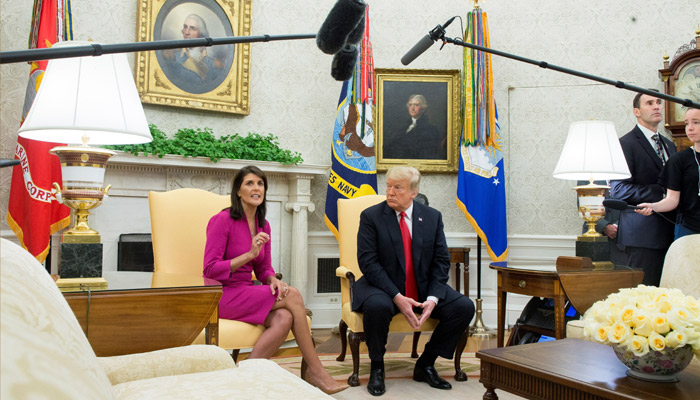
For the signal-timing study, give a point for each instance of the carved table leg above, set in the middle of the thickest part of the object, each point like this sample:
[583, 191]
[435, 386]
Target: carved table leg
[490, 393]
[457, 282]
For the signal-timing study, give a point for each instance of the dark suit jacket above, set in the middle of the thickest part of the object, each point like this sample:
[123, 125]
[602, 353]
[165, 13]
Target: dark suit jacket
[642, 187]
[381, 259]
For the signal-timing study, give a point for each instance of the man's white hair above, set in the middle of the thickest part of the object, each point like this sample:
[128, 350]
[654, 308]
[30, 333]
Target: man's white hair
[203, 31]
[404, 172]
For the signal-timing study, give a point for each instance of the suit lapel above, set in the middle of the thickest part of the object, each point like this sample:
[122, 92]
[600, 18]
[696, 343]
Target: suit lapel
[644, 142]
[417, 234]
[669, 146]
[392, 224]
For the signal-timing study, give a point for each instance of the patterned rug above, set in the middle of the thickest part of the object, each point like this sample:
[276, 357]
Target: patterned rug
[396, 366]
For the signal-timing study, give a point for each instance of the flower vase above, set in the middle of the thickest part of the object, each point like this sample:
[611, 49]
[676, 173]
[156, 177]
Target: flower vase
[655, 366]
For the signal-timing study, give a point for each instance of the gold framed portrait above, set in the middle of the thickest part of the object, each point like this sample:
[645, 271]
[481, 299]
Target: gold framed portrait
[417, 119]
[212, 78]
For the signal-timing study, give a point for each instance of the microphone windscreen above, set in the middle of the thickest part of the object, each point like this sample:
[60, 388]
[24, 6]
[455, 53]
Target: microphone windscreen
[343, 65]
[417, 50]
[615, 204]
[341, 20]
[357, 34]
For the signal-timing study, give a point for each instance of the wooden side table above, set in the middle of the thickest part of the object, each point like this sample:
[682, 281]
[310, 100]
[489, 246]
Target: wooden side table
[460, 256]
[528, 282]
[127, 321]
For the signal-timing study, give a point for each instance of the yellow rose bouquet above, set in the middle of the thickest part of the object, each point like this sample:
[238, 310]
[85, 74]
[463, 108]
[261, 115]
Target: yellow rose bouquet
[645, 318]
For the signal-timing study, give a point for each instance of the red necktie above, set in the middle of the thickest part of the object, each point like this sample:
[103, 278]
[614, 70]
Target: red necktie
[411, 290]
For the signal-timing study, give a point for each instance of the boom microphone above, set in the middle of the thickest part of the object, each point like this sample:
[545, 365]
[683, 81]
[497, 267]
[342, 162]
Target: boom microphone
[358, 33]
[619, 205]
[424, 44]
[343, 65]
[339, 24]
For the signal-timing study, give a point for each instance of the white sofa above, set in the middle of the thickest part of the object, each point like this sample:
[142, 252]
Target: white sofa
[45, 355]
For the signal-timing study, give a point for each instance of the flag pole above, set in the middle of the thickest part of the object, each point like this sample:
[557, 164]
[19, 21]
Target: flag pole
[478, 328]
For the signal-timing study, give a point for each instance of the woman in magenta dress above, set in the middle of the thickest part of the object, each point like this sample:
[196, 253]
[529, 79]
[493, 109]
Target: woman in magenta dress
[238, 243]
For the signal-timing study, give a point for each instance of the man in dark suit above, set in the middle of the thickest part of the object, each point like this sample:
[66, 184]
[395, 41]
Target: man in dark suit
[645, 239]
[402, 253]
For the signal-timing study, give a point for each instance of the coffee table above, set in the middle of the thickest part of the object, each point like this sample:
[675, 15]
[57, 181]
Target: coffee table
[574, 369]
[171, 312]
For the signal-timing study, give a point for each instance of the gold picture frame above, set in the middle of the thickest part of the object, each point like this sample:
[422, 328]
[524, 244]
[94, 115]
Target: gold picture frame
[431, 144]
[212, 78]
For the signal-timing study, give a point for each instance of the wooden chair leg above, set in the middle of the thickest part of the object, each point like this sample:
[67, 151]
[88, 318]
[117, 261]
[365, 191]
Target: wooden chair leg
[459, 374]
[354, 340]
[234, 355]
[414, 351]
[343, 331]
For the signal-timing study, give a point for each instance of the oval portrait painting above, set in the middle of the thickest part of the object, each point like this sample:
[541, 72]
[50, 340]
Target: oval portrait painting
[195, 70]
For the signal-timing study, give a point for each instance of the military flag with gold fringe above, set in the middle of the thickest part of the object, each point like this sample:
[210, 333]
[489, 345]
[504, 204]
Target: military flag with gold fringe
[353, 164]
[481, 188]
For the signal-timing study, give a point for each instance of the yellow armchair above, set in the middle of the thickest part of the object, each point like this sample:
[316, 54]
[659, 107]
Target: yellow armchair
[349, 211]
[179, 220]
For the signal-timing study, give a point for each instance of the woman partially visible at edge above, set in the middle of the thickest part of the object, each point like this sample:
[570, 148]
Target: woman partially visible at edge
[238, 243]
[681, 178]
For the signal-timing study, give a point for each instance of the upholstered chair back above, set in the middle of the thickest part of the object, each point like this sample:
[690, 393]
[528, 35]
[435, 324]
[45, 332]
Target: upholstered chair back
[682, 266]
[349, 211]
[179, 221]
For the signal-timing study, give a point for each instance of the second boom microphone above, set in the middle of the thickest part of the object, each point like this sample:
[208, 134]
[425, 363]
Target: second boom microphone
[426, 41]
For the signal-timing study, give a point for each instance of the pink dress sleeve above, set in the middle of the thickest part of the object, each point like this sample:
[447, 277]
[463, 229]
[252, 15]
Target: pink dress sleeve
[263, 265]
[215, 266]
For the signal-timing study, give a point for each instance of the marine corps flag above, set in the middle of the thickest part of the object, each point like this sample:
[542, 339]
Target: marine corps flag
[353, 165]
[481, 192]
[33, 212]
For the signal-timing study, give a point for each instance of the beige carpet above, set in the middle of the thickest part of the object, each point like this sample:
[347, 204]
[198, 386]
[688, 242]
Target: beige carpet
[399, 382]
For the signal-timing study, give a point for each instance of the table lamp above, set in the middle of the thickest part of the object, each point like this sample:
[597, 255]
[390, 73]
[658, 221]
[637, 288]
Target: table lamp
[591, 152]
[85, 101]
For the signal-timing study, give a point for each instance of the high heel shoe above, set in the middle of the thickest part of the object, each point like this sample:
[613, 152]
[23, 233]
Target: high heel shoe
[338, 387]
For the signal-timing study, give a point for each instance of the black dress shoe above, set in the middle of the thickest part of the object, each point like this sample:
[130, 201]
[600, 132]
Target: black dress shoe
[375, 386]
[430, 375]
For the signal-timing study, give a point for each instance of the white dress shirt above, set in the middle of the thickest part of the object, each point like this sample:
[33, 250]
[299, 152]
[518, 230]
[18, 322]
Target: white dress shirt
[648, 134]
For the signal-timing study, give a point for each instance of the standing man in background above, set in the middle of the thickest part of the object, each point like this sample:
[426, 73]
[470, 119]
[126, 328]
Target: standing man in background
[646, 239]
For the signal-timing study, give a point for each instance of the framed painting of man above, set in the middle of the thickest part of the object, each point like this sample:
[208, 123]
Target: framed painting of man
[417, 119]
[214, 78]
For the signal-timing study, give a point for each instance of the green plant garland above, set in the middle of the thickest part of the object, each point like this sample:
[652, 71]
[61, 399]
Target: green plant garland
[202, 143]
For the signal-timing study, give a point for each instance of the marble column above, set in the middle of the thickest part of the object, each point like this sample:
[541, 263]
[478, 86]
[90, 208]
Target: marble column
[300, 205]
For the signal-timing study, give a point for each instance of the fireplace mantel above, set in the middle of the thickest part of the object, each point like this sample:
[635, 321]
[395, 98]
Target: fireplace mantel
[132, 177]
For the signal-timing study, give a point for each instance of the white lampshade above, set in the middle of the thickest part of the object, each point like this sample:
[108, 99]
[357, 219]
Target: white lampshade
[592, 152]
[94, 97]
